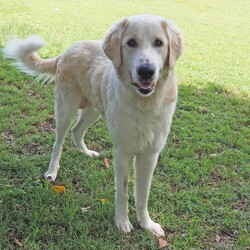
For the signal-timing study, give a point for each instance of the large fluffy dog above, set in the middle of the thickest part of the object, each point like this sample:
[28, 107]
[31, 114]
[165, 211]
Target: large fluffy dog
[129, 79]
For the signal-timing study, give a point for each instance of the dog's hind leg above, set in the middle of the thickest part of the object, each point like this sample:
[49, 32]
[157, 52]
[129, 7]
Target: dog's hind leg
[86, 118]
[66, 105]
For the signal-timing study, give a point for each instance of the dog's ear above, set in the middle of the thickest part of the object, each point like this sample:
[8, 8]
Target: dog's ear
[112, 42]
[175, 43]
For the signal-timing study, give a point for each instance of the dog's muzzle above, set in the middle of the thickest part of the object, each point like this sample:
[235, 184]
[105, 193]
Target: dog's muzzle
[144, 88]
[145, 72]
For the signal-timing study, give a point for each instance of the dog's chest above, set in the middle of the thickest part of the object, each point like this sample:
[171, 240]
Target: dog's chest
[137, 131]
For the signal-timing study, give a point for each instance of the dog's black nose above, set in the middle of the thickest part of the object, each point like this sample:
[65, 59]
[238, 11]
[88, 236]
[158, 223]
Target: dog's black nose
[146, 71]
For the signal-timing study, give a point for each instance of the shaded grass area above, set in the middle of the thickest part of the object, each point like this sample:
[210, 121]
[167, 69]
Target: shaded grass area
[200, 192]
[200, 188]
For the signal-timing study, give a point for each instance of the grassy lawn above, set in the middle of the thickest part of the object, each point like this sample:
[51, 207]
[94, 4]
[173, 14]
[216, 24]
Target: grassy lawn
[201, 187]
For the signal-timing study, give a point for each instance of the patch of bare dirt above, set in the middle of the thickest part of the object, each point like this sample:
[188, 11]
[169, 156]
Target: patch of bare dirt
[49, 125]
[8, 135]
[32, 148]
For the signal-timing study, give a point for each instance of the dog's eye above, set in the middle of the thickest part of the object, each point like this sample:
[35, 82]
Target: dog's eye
[132, 43]
[158, 43]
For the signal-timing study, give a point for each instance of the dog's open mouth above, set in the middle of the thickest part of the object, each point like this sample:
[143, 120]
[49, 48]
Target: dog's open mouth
[144, 87]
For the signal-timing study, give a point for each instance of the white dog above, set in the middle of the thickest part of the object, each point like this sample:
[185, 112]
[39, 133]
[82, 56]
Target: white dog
[129, 79]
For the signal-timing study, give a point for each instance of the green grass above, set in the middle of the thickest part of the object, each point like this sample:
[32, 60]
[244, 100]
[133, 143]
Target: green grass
[200, 192]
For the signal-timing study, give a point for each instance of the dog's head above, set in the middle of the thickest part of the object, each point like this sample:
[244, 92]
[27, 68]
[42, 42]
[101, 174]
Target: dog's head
[141, 48]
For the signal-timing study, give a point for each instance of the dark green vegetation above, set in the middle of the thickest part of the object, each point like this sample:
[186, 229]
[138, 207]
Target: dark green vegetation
[200, 192]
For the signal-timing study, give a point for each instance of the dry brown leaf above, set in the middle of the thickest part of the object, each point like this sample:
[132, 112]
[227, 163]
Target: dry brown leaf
[59, 188]
[217, 238]
[162, 243]
[18, 242]
[106, 162]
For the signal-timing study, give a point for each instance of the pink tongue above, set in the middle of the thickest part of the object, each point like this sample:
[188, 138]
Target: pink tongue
[145, 85]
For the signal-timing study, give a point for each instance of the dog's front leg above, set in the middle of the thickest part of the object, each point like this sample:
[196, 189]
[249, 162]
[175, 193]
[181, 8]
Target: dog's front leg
[144, 167]
[122, 163]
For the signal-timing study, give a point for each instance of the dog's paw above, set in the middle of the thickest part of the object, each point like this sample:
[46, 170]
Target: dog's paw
[124, 225]
[153, 227]
[50, 175]
[91, 153]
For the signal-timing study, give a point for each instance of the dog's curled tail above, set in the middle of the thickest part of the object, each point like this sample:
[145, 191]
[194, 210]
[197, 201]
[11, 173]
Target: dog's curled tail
[24, 52]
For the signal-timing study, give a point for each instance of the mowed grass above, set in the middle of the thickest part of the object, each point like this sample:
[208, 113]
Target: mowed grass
[200, 192]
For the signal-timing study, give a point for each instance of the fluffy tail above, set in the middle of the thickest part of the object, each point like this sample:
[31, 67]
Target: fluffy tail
[27, 60]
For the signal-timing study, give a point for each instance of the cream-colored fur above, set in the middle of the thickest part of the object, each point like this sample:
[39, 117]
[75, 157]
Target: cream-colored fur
[96, 79]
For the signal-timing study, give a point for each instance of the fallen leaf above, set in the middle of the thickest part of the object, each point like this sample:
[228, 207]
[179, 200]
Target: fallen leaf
[162, 243]
[104, 201]
[106, 162]
[18, 242]
[85, 209]
[212, 155]
[217, 238]
[59, 188]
